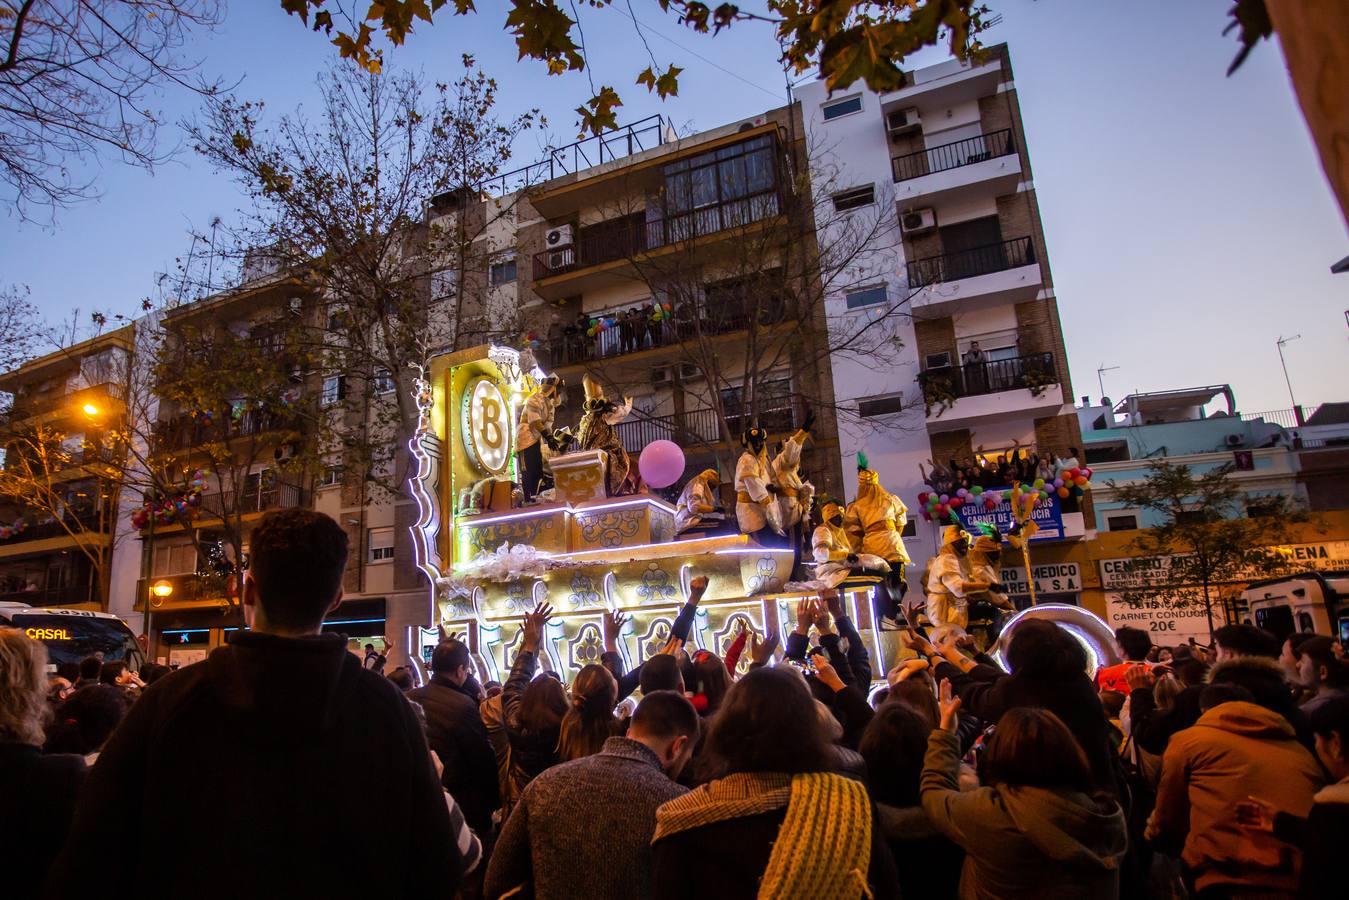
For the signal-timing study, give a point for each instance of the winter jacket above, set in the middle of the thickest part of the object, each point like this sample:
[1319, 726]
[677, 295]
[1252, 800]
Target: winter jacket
[234, 777]
[1020, 841]
[615, 793]
[530, 752]
[1235, 751]
[987, 692]
[1263, 677]
[928, 862]
[456, 732]
[37, 802]
[1323, 837]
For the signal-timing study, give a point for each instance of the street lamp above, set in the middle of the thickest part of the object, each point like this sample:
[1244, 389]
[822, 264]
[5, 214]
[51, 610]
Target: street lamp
[91, 410]
[162, 589]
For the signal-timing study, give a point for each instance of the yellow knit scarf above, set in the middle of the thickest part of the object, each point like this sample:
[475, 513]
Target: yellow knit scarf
[823, 847]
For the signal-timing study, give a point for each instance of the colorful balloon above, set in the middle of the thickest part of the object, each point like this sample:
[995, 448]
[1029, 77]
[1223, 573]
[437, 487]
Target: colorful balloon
[661, 463]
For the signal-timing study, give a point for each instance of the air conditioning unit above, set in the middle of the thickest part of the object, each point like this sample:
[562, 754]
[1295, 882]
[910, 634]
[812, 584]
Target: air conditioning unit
[938, 361]
[284, 452]
[558, 237]
[661, 375]
[689, 372]
[296, 305]
[1234, 440]
[902, 122]
[559, 259]
[755, 122]
[917, 221]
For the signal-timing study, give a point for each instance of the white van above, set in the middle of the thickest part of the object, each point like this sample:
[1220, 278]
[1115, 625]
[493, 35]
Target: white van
[73, 634]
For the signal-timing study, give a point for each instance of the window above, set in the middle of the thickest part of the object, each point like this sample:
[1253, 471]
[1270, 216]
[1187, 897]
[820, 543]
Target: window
[381, 544]
[444, 284]
[383, 382]
[880, 406]
[334, 390]
[331, 476]
[1263, 507]
[174, 559]
[774, 406]
[842, 107]
[501, 272]
[866, 297]
[719, 189]
[1121, 523]
[856, 198]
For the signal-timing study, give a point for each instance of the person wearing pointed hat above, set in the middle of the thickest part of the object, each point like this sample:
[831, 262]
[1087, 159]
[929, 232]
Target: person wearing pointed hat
[795, 496]
[949, 582]
[697, 501]
[536, 421]
[873, 523]
[599, 415]
[833, 552]
[984, 556]
[755, 510]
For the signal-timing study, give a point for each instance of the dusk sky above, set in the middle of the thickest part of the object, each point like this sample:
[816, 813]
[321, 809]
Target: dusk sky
[1188, 220]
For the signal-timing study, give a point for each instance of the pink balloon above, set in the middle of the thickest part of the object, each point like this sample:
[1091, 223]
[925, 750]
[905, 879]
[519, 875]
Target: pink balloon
[661, 463]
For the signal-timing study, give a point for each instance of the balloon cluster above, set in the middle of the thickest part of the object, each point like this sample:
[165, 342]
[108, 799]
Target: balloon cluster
[169, 510]
[532, 341]
[17, 527]
[1074, 483]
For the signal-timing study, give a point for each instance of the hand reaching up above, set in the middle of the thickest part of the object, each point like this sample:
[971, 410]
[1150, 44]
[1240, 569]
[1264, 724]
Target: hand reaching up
[613, 623]
[672, 647]
[805, 614]
[533, 625]
[825, 672]
[760, 652]
[697, 587]
[950, 707]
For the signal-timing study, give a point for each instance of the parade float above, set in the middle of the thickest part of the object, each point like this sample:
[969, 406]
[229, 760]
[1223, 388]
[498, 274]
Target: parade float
[490, 557]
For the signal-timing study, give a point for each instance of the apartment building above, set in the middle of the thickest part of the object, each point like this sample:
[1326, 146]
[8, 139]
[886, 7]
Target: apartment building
[978, 364]
[680, 272]
[61, 488]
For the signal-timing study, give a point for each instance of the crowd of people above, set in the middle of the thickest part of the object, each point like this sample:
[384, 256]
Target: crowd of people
[284, 765]
[1018, 465]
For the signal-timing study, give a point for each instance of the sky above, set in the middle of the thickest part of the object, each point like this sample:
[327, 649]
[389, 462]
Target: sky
[1188, 220]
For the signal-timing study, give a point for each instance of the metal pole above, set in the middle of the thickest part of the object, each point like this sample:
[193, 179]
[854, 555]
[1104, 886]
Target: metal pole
[1286, 380]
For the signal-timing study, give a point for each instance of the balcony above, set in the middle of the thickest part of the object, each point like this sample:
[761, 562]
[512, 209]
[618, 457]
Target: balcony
[577, 348]
[614, 243]
[994, 390]
[946, 84]
[189, 590]
[987, 164]
[185, 432]
[84, 523]
[992, 275]
[78, 592]
[242, 503]
[702, 426]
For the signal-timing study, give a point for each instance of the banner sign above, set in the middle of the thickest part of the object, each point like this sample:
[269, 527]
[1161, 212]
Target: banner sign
[1050, 578]
[1048, 514]
[1169, 622]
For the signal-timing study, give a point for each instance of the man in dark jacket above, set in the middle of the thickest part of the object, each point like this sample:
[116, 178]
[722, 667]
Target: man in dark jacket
[458, 735]
[233, 777]
[615, 794]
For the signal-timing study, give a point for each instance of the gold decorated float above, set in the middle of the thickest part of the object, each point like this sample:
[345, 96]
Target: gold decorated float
[489, 559]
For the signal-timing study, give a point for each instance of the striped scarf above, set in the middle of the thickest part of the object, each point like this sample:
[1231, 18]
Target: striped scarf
[823, 846]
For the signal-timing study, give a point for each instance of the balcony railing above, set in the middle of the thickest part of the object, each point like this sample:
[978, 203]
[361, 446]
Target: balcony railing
[969, 263]
[187, 588]
[1033, 371]
[577, 347]
[235, 503]
[624, 240]
[954, 155]
[184, 432]
[78, 592]
[43, 530]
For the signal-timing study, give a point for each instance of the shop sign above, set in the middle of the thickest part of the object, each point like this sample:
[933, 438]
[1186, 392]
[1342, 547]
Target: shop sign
[487, 425]
[1050, 578]
[1047, 514]
[1169, 622]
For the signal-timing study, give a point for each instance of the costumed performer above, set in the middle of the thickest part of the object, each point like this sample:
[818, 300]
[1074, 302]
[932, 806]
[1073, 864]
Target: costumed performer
[833, 552]
[755, 510]
[794, 495]
[949, 582]
[598, 417]
[985, 557]
[873, 522]
[536, 425]
[698, 501]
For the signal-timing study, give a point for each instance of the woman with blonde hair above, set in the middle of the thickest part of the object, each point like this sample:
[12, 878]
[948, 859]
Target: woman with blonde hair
[37, 793]
[590, 721]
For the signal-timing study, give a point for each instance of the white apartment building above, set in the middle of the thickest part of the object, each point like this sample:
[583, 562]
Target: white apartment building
[942, 163]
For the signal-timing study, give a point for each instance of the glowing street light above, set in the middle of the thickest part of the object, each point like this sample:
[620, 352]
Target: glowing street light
[91, 410]
[162, 589]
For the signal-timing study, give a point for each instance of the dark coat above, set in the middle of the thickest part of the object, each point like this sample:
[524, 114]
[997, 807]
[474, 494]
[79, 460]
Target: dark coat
[734, 855]
[1322, 836]
[233, 777]
[457, 734]
[37, 802]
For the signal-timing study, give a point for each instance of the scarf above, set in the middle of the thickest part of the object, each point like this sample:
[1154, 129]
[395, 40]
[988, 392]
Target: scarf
[823, 811]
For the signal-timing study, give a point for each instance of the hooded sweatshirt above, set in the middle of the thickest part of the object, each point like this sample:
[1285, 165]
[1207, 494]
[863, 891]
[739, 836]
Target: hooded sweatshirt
[243, 775]
[1236, 750]
[1020, 840]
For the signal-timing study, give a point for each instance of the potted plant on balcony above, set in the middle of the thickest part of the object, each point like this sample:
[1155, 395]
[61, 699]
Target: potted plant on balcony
[937, 391]
[1038, 376]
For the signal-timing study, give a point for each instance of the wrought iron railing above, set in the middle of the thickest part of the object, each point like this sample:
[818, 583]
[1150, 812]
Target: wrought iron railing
[84, 523]
[183, 432]
[953, 155]
[586, 153]
[234, 503]
[624, 239]
[577, 346]
[1034, 371]
[969, 263]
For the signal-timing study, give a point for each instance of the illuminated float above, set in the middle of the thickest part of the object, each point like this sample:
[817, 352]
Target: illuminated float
[489, 559]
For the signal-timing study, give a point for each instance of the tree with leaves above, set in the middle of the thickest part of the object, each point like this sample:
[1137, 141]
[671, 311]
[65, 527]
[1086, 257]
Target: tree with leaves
[1214, 544]
[76, 80]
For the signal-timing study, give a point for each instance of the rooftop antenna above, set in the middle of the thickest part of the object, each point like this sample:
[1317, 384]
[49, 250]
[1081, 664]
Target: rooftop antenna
[1100, 377]
[1286, 380]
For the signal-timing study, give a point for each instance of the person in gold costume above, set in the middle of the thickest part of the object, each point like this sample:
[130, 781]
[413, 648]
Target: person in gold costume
[536, 427]
[599, 415]
[873, 522]
[756, 509]
[950, 583]
[698, 502]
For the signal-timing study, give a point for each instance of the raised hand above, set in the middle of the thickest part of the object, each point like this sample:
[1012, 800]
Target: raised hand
[821, 618]
[1139, 678]
[824, 671]
[613, 623]
[805, 614]
[697, 587]
[834, 602]
[949, 706]
[672, 647]
[760, 652]
[533, 625]
[918, 643]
